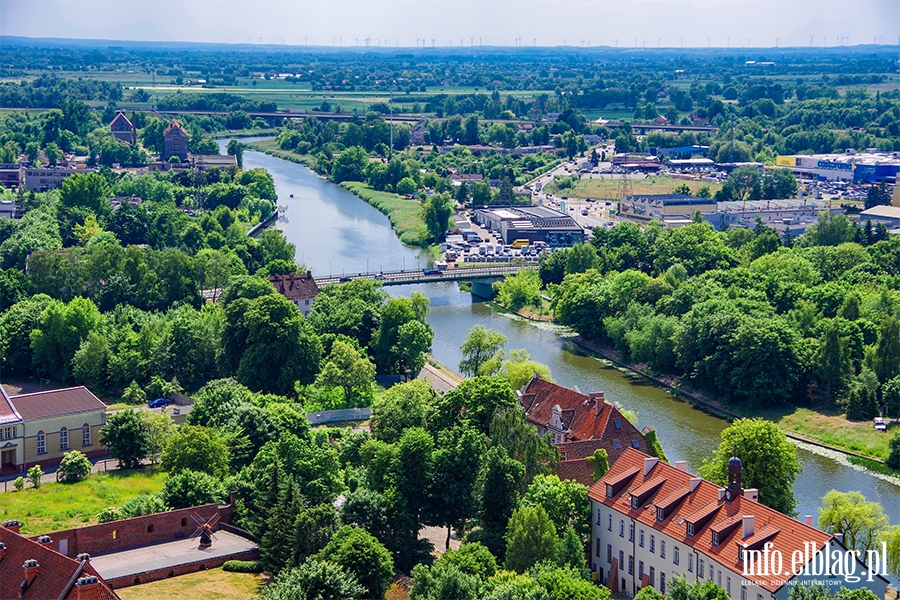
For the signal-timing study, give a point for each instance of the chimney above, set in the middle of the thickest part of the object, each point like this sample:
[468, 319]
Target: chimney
[695, 481]
[13, 525]
[232, 497]
[681, 465]
[752, 494]
[748, 522]
[839, 537]
[808, 519]
[44, 540]
[2, 551]
[721, 492]
[32, 568]
[83, 557]
[649, 463]
[87, 588]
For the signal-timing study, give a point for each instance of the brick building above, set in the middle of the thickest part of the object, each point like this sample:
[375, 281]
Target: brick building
[175, 142]
[299, 288]
[122, 129]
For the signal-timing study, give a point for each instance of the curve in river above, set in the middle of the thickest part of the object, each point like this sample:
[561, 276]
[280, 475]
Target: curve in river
[336, 232]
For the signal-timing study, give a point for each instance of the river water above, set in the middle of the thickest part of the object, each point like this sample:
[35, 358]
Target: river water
[335, 232]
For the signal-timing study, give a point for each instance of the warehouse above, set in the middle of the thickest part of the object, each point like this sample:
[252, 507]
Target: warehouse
[863, 167]
[663, 207]
[532, 223]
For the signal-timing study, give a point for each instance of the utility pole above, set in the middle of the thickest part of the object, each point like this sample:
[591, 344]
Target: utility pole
[391, 150]
[731, 147]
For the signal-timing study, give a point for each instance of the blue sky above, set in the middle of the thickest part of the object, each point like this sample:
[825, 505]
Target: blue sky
[668, 23]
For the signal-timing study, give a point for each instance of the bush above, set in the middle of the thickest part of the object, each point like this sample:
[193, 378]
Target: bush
[244, 566]
[192, 488]
[74, 466]
[19, 484]
[893, 459]
[145, 504]
[108, 514]
[34, 475]
[134, 394]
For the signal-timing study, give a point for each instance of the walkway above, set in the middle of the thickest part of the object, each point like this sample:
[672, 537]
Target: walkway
[441, 379]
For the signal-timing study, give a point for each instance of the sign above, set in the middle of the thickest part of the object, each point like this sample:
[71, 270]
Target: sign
[786, 161]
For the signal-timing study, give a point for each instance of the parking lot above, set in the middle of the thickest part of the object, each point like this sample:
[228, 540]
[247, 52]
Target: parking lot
[490, 249]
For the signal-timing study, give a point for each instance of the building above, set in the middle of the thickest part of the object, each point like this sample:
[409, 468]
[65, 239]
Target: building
[663, 207]
[579, 424]
[42, 179]
[858, 167]
[38, 428]
[682, 152]
[887, 215]
[203, 162]
[532, 223]
[31, 569]
[8, 209]
[122, 129]
[10, 175]
[175, 142]
[652, 521]
[299, 288]
[782, 215]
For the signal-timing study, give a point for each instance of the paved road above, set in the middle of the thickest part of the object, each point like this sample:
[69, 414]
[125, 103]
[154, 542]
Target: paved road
[442, 380]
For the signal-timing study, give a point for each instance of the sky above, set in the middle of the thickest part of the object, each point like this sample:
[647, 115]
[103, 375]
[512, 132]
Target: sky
[626, 23]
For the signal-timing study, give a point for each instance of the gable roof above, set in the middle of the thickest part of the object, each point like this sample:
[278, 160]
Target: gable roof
[579, 470]
[52, 403]
[702, 506]
[175, 128]
[56, 577]
[120, 120]
[296, 286]
[8, 412]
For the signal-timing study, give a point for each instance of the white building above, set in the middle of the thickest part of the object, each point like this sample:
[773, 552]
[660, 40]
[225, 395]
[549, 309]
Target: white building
[652, 521]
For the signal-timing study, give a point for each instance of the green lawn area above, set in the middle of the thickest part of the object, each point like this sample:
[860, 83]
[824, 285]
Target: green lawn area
[58, 506]
[405, 214]
[214, 584]
[606, 189]
[271, 148]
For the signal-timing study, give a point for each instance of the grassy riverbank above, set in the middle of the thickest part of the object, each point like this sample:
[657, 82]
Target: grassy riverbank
[243, 133]
[271, 148]
[404, 213]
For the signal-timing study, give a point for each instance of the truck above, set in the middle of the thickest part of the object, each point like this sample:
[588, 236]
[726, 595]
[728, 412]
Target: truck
[519, 244]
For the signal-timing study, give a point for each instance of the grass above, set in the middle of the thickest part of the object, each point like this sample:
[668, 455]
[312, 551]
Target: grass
[214, 584]
[271, 148]
[58, 506]
[405, 214]
[606, 189]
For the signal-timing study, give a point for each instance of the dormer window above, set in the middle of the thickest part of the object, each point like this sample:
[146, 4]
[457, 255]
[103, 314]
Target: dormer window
[618, 424]
[741, 551]
[690, 529]
[715, 538]
[635, 502]
[609, 491]
[660, 514]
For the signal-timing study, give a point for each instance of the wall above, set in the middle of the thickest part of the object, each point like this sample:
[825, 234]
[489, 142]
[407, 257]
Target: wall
[165, 573]
[51, 428]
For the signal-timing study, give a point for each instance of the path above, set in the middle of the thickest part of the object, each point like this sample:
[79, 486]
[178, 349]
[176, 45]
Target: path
[441, 378]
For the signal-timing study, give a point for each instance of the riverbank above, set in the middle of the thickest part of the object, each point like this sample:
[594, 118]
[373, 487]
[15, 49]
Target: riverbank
[800, 424]
[243, 133]
[405, 214]
[272, 150]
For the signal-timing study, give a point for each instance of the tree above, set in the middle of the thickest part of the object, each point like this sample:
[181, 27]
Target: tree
[877, 195]
[457, 462]
[887, 353]
[349, 370]
[474, 401]
[521, 289]
[530, 538]
[891, 537]
[600, 460]
[192, 488]
[498, 494]
[849, 514]
[566, 502]
[74, 466]
[314, 580]
[313, 528]
[580, 258]
[400, 407]
[236, 149]
[34, 475]
[744, 183]
[126, 438]
[195, 448]
[349, 165]
[443, 580]
[85, 190]
[893, 459]
[482, 351]
[406, 186]
[275, 546]
[359, 553]
[436, 212]
[60, 333]
[520, 369]
[521, 439]
[770, 462]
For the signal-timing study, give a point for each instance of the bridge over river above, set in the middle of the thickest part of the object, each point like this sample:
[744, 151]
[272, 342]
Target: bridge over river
[405, 277]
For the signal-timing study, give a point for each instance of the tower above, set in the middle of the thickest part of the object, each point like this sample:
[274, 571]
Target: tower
[734, 489]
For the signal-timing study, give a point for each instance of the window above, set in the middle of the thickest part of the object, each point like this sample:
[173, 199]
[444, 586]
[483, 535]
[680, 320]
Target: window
[652, 577]
[701, 569]
[631, 564]
[690, 529]
[63, 439]
[41, 443]
[618, 424]
[609, 523]
[728, 585]
[184, 522]
[598, 517]
[597, 547]
[662, 548]
[719, 578]
[634, 502]
[675, 558]
[631, 532]
[641, 539]
[759, 596]
[662, 583]
[660, 514]
[743, 592]
[86, 435]
[621, 560]
[691, 563]
[617, 445]
[640, 569]
[652, 543]
[609, 492]
[715, 538]
[621, 528]
[741, 553]
[634, 444]
[609, 553]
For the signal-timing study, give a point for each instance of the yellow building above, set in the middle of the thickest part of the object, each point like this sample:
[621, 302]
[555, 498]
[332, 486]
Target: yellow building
[38, 428]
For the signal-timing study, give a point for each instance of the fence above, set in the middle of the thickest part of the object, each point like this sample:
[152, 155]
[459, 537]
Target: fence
[337, 416]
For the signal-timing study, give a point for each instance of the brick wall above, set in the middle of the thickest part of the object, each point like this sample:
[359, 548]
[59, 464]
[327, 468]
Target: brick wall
[157, 574]
[134, 532]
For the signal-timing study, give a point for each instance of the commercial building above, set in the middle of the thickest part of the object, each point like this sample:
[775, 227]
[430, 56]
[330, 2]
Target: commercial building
[862, 167]
[38, 428]
[669, 209]
[889, 216]
[652, 521]
[203, 162]
[42, 179]
[301, 289]
[579, 425]
[532, 223]
[789, 214]
[682, 152]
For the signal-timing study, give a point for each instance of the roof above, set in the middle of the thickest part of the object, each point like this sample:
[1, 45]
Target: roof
[175, 127]
[785, 533]
[56, 577]
[52, 403]
[589, 420]
[579, 470]
[8, 412]
[296, 286]
[119, 120]
[891, 212]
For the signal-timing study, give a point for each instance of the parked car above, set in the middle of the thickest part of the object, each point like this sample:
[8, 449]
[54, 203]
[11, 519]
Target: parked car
[158, 403]
[879, 424]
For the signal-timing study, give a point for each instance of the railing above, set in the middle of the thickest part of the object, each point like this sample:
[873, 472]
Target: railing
[405, 276]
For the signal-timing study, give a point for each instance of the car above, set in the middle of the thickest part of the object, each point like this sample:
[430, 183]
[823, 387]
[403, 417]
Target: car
[158, 403]
[379, 277]
[344, 279]
[879, 424]
[431, 272]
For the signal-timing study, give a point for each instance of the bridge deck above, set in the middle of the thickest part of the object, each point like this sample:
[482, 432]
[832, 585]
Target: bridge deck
[407, 277]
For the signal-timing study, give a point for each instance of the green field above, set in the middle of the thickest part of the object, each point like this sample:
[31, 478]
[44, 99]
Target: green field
[58, 506]
[214, 584]
[606, 189]
[405, 214]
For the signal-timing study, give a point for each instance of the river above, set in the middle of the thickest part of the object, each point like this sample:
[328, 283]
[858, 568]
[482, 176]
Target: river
[335, 232]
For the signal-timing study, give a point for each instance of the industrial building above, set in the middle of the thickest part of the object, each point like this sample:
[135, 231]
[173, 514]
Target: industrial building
[889, 216]
[862, 167]
[790, 214]
[669, 209]
[532, 223]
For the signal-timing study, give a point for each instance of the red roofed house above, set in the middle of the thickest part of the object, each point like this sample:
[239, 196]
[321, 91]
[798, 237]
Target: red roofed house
[652, 521]
[579, 424]
[38, 428]
[175, 142]
[122, 129]
[32, 570]
[301, 289]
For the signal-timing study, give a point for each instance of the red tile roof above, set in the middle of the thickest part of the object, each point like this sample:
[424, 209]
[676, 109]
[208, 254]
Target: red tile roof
[56, 577]
[175, 127]
[8, 412]
[51, 403]
[785, 533]
[296, 286]
[578, 470]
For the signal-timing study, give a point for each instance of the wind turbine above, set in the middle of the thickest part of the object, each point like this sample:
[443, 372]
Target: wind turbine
[471, 41]
[617, 42]
[357, 40]
[811, 40]
[341, 42]
[658, 39]
[708, 42]
[432, 42]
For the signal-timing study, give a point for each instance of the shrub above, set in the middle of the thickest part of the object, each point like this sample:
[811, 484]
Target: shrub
[108, 514]
[145, 504]
[134, 394]
[19, 484]
[74, 466]
[243, 566]
[192, 488]
[34, 475]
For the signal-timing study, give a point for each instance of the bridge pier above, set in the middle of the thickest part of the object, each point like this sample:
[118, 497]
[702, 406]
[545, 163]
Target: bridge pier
[484, 288]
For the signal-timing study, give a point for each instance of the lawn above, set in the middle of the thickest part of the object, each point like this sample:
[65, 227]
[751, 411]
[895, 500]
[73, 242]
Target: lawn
[58, 506]
[606, 189]
[405, 214]
[214, 584]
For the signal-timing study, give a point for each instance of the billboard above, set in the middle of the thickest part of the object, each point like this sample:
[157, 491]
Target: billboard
[786, 161]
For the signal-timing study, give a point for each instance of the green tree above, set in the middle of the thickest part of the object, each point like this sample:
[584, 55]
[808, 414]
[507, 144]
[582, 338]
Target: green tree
[770, 462]
[482, 351]
[849, 513]
[443, 580]
[192, 488]
[34, 475]
[314, 580]
[313, 528]
[521, 439]
[474, 401]
[580, 258]
[530, 538]
[436, 212]
[457, 462]
[349, 165]
[349, 370]
[891, 537]
[59, 334]
[520, 369]
[566, 502]
[275, 547]
[359, 553]
[406, 186]
[600, 460]
[893, 459]
[833, 361]
[160, 428]
[236, 149]
[521, 289]
[74, 466]
[85, 190]
[194, 448]
[887, 353]
[126, 439]
[498, 495]
[744, 183]
[400, 407]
